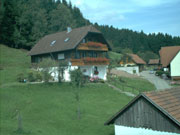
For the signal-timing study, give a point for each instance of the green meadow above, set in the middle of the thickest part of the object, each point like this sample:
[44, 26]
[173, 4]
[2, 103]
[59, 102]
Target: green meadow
[51, 109]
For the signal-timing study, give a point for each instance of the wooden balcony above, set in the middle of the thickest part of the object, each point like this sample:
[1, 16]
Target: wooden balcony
[95, 46]
[90, 61]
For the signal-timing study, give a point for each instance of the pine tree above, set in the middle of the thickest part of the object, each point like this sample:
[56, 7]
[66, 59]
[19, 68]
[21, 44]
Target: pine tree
[8, 23]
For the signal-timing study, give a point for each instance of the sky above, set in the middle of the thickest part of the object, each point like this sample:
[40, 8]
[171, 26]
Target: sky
[151, 16]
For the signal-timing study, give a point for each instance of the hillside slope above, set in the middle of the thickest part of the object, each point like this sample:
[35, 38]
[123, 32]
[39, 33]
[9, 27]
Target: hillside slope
[12, 62]
[52, 109]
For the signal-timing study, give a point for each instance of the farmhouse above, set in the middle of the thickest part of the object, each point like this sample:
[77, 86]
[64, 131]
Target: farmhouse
[170, 60]
[154, 63]
[150, 113]
[132, 62]
[83, 47]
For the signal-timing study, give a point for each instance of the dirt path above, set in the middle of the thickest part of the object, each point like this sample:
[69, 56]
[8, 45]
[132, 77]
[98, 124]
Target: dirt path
[159, 83]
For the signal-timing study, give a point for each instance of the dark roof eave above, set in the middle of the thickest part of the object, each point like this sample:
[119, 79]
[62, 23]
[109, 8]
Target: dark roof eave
[51, 52]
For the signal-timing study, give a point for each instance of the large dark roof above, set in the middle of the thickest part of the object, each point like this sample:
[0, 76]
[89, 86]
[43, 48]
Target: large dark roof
[74, 37]
[166, 101]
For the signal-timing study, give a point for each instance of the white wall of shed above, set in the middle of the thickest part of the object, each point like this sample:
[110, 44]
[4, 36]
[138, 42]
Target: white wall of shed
[122, 130]
[175, 65]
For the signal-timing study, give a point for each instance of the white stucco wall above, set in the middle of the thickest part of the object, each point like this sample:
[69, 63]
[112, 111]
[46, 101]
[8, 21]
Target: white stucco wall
[87, 70]
[122, 130]
[175, 65]
[54, 73]
[102, 72]
[90, 71]
[129, 69]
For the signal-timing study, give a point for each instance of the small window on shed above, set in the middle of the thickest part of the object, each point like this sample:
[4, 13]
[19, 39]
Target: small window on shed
[66, 39]
[53, 42]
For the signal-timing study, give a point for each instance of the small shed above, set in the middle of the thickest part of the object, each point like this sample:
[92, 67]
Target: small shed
[151, 113]
[132, 60]
[154, 63]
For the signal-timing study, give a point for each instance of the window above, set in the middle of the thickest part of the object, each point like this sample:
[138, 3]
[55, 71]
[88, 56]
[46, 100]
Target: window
[67, 39]
[53, 42]
[96, 70]
[95, 54]
[90, 54]
[84, 70]
[77, 56]
[38, 59]
[83, 54]
[61, 56]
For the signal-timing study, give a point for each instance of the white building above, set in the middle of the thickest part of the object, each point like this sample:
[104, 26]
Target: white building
[175, 66]
[83, 48]
[170, 60]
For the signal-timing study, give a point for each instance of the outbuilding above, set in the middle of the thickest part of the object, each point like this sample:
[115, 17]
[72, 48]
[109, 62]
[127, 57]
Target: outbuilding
[150, 113]
[170, 60]
[154, 63]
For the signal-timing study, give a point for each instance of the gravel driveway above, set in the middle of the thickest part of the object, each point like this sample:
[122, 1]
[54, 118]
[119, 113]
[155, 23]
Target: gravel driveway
[158, 82]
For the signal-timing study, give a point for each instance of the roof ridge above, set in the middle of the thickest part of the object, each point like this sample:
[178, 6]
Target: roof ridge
[170, 46]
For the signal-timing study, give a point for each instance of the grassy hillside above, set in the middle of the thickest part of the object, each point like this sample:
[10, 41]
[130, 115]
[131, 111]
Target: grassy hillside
[12, 62]
[114, 55]
[52, 109]
[133, 85]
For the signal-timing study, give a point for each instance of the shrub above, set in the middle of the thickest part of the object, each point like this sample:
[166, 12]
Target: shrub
[159, 72]
[20, 77]
[46, 65]
[46, 76]
[85, 78]
[167, 74]
[94, 79]
[77, 77]
[31, 77]
[38, 77]
[63, 65]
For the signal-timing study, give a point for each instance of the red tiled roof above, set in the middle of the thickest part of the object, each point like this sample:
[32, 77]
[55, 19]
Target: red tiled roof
[153, 61]
[167, 54]
[168, 100]
[137, 59]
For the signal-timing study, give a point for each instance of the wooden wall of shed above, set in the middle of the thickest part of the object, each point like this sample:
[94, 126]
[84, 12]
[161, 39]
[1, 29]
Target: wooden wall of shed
[145, 115]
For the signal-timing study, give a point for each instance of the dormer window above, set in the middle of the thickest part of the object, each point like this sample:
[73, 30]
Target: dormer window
[67, 39]
[53, 42]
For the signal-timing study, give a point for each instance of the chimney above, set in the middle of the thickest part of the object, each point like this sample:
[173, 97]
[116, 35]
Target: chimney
[69, 29]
